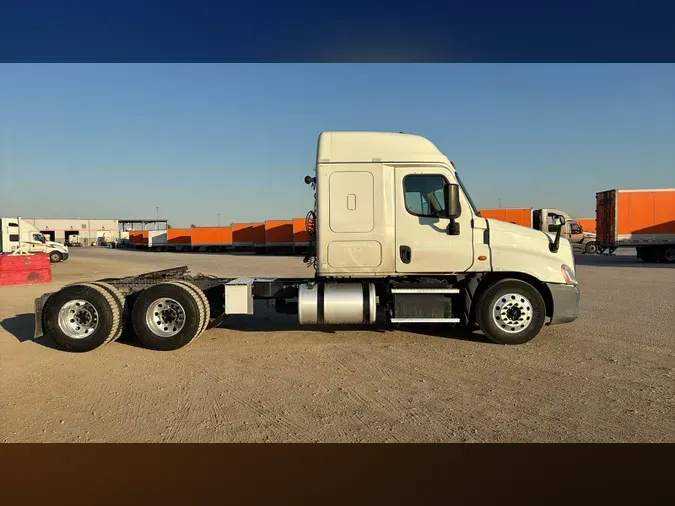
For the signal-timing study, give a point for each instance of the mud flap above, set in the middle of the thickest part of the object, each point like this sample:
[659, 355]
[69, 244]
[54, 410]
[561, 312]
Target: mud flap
[40, 303]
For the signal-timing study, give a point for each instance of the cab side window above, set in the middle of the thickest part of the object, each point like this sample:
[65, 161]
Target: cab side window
[575, 228]
[423, 194]
[14, 232]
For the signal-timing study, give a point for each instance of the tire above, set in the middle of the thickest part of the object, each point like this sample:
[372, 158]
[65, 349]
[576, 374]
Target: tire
[97, 312]
[529, 304]
[124, 308]
[55, 257]
[591, 248]
[668, 254]
[640, 253]
[185, 310]
[205, 301]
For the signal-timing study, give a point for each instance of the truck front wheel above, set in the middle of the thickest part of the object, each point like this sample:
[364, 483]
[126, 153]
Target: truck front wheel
[55, 257]
[511, 312]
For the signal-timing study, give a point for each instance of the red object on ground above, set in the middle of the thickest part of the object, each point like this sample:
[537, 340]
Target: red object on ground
[25, 269]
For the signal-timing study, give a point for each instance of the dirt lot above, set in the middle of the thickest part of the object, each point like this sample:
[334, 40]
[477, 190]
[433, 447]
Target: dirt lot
[606, 377]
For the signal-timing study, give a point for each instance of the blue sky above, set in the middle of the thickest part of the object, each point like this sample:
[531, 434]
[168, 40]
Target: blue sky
[197, 140]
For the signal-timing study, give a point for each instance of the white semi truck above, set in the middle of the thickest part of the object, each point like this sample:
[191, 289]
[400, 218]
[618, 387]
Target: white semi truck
[19, 235]
[395, 239]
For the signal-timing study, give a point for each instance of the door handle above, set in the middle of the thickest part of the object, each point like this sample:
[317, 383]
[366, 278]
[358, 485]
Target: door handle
[406, 254]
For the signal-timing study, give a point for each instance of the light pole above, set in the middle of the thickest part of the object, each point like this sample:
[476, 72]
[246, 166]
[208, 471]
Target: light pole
[157, 222]
[219, 219]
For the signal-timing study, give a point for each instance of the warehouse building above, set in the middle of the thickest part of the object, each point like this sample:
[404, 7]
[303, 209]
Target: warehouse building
[86, 231]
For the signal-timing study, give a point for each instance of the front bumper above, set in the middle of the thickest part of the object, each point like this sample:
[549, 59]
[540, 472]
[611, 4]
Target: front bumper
[565, 303]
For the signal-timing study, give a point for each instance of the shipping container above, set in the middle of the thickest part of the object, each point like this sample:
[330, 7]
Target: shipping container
[640, 219]
[211, 238]
[518, 216]
[588, 224]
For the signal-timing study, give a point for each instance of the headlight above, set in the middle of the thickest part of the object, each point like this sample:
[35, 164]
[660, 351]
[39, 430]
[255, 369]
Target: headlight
[568, 274]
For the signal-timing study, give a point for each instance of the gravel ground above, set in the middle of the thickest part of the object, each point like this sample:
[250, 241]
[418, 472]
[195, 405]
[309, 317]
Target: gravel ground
[606, 377]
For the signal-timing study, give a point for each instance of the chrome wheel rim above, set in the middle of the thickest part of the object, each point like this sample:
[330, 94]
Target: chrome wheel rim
[165, 317]
[78, 319]
[512, 313]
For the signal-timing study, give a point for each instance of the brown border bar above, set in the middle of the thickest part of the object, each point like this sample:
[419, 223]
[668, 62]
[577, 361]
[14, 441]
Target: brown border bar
[415, 474]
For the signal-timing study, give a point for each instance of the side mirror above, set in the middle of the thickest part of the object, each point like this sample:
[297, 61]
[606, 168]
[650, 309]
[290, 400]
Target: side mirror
[451, 196]
[558, 221]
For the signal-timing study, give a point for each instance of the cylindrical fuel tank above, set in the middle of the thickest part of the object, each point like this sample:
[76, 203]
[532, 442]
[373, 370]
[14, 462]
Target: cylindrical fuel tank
[335, 303]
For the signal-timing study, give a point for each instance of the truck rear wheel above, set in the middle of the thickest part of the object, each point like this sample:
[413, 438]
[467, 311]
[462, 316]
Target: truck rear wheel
[124, 308]
[205, 302]
[511, 312]
[55, 257]
[82, 317]
[168, 316]
[668, 254]
[591, 248]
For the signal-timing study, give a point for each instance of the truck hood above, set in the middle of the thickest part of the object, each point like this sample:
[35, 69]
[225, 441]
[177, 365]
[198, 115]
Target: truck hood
[56, 245]
[512, 228]
[515, 248]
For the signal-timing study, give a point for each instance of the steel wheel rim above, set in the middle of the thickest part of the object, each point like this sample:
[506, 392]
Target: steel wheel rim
[78, 319]
[512, 313]
[165, 317]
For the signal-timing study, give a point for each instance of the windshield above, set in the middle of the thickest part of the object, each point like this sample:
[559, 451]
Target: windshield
[466, 193]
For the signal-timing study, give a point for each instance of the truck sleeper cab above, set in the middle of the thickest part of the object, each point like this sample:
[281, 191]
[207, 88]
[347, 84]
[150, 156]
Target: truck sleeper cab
[395, 239]
[18, 234]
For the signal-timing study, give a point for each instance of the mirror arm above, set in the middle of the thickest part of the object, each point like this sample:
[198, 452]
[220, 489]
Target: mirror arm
[555, 245]
[453, 227]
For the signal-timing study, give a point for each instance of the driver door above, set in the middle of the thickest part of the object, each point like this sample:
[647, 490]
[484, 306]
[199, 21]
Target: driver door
[422, 242]
[37, 242]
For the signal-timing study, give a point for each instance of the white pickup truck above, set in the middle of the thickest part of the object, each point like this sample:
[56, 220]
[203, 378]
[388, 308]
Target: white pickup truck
[19, 234]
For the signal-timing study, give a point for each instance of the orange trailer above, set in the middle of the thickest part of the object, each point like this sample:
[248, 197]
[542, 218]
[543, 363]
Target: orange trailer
[640, 219]
[518, 216]
[259, 236]
[211, 238]
[587, 224]
[179, 238]
[242, 234]
[300, 235]
[138, 238]
[279, 236]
